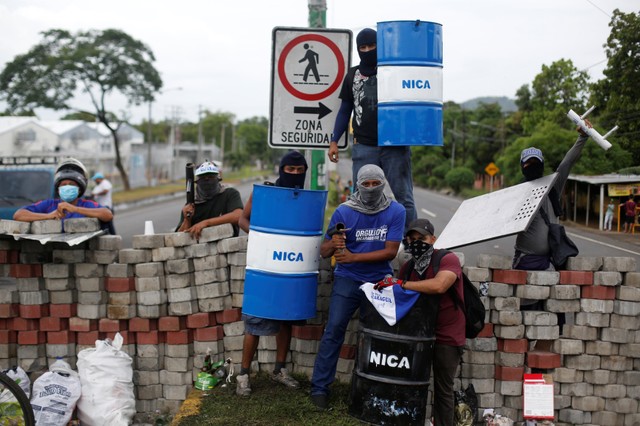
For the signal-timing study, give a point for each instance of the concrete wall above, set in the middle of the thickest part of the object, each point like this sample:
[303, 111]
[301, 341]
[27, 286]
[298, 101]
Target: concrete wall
[172, 298]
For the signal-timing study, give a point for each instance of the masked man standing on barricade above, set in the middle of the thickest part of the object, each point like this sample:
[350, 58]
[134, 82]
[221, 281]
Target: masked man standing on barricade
[369, 231]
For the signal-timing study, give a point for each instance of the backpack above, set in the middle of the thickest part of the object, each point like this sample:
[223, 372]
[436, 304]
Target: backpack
[474, 310]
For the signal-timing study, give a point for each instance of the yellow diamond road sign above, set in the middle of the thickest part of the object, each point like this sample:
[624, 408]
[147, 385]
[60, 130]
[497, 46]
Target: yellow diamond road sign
[491, 169]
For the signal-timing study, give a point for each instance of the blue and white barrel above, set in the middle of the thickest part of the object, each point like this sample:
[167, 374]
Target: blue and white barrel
[283, 252]
[409, 83]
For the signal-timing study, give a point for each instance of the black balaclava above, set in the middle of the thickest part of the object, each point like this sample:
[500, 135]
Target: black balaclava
[368, 60]
[533, 171]
[289, 180]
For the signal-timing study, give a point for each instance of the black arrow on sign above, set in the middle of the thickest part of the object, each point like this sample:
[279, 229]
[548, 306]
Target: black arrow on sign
[321, 110]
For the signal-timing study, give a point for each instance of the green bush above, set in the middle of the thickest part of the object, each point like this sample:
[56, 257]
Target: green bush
[433, 182]
[441, 170]
[459, 177]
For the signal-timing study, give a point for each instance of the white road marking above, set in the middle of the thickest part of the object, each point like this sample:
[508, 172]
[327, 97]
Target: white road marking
[603, 244]
[428, 213]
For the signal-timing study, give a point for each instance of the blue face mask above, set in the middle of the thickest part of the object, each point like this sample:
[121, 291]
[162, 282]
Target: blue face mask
[68, 193]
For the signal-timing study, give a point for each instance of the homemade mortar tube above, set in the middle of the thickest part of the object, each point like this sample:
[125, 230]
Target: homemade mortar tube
[409, 83]
[283, 252]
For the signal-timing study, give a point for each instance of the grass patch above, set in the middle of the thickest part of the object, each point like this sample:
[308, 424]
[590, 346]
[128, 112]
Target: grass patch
[271, 404]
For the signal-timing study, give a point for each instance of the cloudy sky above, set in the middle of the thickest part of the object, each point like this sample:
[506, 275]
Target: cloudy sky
[219, 52]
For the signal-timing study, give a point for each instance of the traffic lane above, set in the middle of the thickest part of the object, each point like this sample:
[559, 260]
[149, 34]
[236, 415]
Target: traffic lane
[165, 215]
[440, 208]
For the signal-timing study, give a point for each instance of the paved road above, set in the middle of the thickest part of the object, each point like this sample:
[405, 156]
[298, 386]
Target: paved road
[437, 207]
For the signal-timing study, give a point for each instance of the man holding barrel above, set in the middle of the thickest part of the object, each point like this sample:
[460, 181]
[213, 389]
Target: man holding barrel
[359, 94]
[293, 169]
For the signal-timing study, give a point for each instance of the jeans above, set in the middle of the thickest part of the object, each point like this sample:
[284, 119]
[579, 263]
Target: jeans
[445, 363]
[608, 218]
[346, 297]
[395, 161]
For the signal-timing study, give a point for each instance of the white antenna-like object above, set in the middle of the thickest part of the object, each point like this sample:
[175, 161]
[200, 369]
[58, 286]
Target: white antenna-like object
[593, 133]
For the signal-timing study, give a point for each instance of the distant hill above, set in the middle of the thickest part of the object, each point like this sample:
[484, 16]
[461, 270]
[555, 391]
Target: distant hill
[506, 104]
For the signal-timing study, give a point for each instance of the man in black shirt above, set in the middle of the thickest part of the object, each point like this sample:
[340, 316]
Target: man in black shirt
[214, 203]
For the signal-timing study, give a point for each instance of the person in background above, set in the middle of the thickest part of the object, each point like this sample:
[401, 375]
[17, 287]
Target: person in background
[629, 214]
[450, 320]
[608, 216]
[292, 171]
[214, 204]
[70, 182]
[102, 195]
[373, 230]
[359, 94]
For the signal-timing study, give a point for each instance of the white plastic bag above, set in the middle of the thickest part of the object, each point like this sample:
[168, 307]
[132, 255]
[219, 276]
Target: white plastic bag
[55, 395]
[21, 378]
[106, 374]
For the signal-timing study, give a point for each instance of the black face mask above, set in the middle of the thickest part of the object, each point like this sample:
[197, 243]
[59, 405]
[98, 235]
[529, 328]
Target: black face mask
[206, 189]
[368, 62]
[533, 171]
[418, 248]
[290, 180]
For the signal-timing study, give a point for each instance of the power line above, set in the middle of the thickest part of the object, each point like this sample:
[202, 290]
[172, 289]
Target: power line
[598, 7]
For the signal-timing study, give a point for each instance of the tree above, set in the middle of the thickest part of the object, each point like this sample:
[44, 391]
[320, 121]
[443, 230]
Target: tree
[555, 141]
[617, 95]
[97, 63]
[459, 178]
[252, 134]
[558, 88]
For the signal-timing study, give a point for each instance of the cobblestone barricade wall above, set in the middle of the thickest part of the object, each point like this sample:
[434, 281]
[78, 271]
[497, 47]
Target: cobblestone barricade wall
[172, 298]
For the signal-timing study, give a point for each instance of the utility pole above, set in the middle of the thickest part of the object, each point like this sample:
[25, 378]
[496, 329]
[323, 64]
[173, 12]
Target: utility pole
[199, 158]
[319, 177]
[149, 136]
[222, 129]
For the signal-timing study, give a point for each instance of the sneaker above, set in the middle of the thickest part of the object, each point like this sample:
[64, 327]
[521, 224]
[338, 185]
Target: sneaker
[243, 388]
[321, 401]
[285, 378]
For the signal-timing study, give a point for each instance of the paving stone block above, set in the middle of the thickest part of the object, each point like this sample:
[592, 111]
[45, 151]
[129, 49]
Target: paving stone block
[106, 243]
[68, 256]
[565, 292]
[178, 239]
[81, 224]
[200, 250]
[162, 254]
[234, 244]
[119, 270]
[134, 256]
[622, 307]
[581, 263]
[147, 241]
[179, 266]
[619, 264]
[14, 227]
[216, 233]
[41, 227]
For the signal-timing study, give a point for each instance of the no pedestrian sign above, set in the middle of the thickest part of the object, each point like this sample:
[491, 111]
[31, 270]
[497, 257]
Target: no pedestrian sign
[308, 67]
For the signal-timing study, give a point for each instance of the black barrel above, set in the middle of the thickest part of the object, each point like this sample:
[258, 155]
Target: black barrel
[393, 365]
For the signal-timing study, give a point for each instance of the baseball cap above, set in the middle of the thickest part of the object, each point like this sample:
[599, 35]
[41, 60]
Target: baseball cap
[423, 226]
[530, 153]
[97, 176]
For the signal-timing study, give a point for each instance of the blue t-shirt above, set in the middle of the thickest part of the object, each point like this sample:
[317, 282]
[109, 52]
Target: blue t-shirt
[368, 233]
[47, 206]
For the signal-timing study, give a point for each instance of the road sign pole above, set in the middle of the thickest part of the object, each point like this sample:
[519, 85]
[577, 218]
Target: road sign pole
[319, 178]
